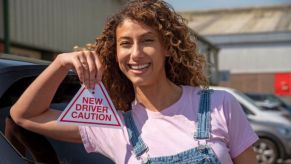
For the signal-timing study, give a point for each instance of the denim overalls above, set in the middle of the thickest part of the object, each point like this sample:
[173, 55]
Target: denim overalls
[202, 154]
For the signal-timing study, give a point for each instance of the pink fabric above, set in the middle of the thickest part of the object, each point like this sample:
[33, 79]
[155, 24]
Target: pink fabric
[171, 131]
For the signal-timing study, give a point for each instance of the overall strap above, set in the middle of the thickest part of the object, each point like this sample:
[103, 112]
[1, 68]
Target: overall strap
[203, 116]
[139, 147]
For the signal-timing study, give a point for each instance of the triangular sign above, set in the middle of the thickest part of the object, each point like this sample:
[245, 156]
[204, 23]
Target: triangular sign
[91, 108]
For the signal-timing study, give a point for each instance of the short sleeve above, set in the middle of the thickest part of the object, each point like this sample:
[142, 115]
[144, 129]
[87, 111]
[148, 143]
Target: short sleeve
[104, 140]
[91, 141]
[241, 135]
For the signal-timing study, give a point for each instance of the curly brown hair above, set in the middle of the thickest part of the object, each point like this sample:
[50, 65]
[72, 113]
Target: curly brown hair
[184, 66]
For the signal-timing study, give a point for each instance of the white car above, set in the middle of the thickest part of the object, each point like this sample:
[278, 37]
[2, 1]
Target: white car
[272, 127]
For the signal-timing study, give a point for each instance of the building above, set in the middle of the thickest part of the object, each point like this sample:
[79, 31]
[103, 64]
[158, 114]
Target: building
[255, 46]
[43, 29]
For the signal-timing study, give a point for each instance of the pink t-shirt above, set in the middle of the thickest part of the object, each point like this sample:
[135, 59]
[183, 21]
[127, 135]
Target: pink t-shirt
[171, 131]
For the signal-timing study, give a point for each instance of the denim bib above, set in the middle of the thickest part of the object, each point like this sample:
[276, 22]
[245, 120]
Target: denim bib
[202, 154]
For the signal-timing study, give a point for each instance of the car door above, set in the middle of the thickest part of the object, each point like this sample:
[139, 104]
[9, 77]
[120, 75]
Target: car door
[34, 147]
[9, 154]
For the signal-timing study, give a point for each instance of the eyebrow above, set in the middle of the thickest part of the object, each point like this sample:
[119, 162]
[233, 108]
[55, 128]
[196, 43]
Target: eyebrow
[147, 33]
[127, 37]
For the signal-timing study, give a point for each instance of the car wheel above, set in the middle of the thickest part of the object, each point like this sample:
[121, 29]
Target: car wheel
[266, 150]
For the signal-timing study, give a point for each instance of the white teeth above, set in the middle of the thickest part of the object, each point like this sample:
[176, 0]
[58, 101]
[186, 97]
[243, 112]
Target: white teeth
[139, 67]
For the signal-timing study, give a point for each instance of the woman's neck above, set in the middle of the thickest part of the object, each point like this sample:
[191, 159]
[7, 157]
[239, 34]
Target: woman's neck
[158, 96]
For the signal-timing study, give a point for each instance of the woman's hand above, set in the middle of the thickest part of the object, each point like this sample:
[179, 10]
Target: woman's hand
[87, 65]
[247, 156]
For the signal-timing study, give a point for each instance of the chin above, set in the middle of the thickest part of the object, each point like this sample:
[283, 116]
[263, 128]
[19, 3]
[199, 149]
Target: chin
[139, 82]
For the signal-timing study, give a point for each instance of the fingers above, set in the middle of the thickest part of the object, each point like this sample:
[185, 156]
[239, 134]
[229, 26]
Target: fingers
[79, 68]
[92, 69]
[88, 68]
[99, 67]
[84, 76]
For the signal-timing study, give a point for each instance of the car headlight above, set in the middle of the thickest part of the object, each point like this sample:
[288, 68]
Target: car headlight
[286, 132]
[287, 115]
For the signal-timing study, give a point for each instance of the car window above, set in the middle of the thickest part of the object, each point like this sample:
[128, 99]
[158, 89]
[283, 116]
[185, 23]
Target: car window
[64, 94]
[268, 98]
[67, 90]
[246, 110]
[245, 97]
[268, 101]
[27, 143]
[12, 94]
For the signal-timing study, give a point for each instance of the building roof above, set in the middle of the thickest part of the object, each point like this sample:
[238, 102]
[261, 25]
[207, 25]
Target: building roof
[240, 20]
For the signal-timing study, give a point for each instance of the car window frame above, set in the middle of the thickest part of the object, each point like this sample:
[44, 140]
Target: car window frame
[5, 143]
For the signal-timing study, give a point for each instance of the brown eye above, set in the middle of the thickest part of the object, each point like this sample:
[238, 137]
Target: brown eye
[124, 43]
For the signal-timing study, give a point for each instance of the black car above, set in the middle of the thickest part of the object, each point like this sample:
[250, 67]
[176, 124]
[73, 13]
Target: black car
[18, 145]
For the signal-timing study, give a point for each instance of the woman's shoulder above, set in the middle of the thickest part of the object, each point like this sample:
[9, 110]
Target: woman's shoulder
[223, 94]
[215, 92]
[218, 96]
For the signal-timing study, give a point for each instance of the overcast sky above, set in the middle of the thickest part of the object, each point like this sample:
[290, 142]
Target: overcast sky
[185, 5]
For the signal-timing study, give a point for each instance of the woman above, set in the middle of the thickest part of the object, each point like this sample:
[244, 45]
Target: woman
[154, 75]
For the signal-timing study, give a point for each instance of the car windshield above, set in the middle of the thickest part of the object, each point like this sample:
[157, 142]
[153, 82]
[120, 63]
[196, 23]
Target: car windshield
[246, 98]
[268, 101]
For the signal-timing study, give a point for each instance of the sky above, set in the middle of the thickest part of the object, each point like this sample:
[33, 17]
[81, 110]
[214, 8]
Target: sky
[187, 5]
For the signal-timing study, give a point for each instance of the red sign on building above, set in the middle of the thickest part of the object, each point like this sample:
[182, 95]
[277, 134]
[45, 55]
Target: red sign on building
[283, 84]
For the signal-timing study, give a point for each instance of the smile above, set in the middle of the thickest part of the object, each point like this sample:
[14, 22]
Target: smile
[138, 67]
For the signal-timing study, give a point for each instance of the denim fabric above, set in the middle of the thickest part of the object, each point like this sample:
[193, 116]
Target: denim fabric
[203, 118]
[199, 155]
[203, 154]
[139, 147]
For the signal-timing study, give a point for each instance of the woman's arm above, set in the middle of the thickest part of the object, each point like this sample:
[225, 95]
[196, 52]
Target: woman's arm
[248, 156]
[32, 112]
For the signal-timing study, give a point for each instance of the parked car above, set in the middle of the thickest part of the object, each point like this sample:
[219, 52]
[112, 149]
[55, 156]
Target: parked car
[269, 101]
[18, 145]
[273, 128]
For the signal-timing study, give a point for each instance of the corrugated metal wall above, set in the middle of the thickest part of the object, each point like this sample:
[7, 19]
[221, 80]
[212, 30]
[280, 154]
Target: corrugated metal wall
[251, 40]
[240, 20]
[263, 59]
[58, 25]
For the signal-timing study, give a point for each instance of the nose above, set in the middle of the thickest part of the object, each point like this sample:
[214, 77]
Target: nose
[136, 52]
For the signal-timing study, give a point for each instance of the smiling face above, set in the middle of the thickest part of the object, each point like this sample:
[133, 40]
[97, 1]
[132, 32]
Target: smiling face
[140, 53]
